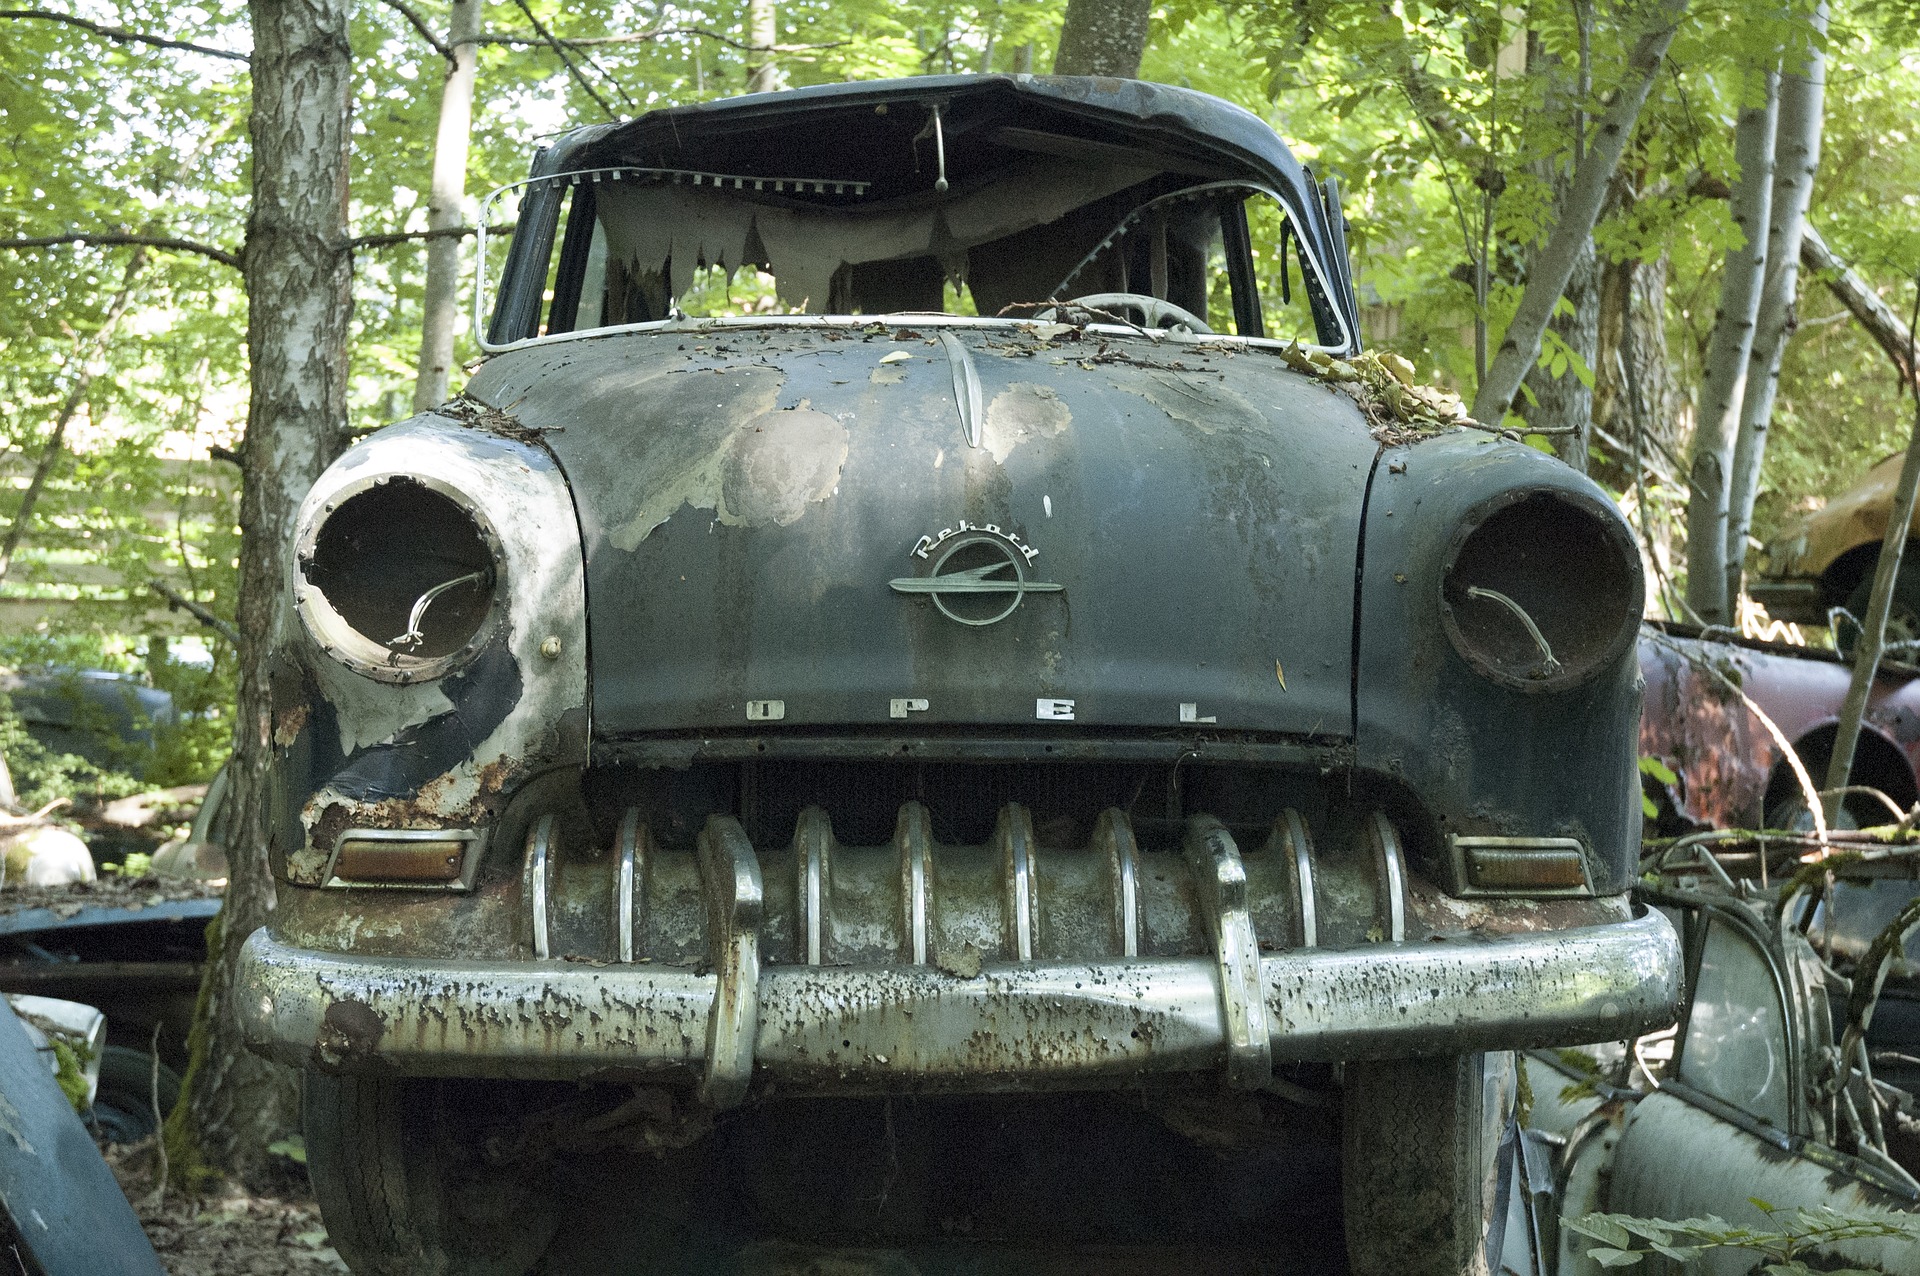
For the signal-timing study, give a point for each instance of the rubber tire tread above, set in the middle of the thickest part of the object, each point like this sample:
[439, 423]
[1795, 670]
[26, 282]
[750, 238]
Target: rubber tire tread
[126, 1075]
[376, 1149]
[1414, 1158]
[1906, 598]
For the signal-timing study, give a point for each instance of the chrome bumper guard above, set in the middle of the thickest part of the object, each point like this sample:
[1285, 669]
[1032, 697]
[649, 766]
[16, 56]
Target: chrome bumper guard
[1012, 1026]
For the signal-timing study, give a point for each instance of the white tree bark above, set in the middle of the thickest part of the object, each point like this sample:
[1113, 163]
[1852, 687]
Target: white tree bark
[1103, 37]
[299, 308]
[762, 75]
[1548, 275]
[1796, 150]
[446, 209]
[1729, 351]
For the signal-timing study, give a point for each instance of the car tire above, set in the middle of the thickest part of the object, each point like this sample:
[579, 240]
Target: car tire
[401, 1171]
[1417, 1165]
[1903, 617]
[123, 1105]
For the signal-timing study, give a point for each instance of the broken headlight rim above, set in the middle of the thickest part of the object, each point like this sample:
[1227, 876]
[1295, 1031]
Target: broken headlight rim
[1542, 589]
[400, 605]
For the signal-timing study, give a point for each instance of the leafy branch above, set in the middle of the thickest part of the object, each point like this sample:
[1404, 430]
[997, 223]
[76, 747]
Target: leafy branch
[1625, 1240]
[122, 35]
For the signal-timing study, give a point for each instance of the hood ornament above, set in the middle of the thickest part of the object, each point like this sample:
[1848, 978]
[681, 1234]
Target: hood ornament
[979, 574]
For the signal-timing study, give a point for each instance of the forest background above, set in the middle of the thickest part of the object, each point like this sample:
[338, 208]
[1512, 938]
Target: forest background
[1461, 135]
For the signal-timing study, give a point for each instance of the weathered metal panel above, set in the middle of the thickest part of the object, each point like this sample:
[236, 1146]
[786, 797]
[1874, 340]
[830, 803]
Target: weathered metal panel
[1676, 1161]
[1485, 759]
[66, 1210]
[449, 752]
[748, 495]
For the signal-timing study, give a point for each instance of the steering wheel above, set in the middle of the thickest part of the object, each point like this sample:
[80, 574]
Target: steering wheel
[1154, 312]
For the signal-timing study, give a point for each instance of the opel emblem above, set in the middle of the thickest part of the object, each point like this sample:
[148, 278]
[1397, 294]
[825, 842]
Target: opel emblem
[979, 573]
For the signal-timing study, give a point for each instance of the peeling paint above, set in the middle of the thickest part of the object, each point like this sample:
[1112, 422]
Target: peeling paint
[1022, 412]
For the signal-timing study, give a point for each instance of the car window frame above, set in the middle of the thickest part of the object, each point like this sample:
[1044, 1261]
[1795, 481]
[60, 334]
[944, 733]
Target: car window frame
[536, 236]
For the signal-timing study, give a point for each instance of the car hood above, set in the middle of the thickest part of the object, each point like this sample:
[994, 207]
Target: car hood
[757, 502]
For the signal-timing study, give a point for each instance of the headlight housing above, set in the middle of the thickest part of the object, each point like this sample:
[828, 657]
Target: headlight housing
[399, 577]
[1542, 589]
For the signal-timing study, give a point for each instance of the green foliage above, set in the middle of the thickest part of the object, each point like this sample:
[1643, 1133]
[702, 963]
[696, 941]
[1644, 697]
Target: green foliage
[70, 1061]
[1784, 1244]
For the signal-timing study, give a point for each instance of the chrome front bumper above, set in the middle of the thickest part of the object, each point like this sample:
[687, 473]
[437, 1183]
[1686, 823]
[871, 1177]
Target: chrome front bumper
[915, 1027]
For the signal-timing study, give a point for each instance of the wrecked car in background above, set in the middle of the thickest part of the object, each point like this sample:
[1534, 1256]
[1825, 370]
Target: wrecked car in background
[1826, 559]
[923, 600]
[1789, 1080]
[1727, 769]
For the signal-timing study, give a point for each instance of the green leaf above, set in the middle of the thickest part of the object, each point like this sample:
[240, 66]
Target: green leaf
[1609, 1257]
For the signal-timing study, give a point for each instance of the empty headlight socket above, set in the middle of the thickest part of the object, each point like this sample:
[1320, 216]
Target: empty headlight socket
[1541, 589]
[400, 577]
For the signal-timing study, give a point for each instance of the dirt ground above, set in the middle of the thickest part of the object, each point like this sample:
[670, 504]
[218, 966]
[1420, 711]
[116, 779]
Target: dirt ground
[226, 1233]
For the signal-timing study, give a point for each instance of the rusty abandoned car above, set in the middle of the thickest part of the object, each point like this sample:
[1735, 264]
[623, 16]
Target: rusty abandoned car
[897, 622]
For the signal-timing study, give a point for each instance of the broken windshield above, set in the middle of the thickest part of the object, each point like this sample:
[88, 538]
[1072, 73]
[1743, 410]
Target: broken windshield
[640, 246]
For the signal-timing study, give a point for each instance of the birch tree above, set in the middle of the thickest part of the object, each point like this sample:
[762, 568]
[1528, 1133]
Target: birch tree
[1796, 160]
[763, 75]
[1728, 354]
[446, 208]
[298, 273]
[1103, 37]
[1572, 234]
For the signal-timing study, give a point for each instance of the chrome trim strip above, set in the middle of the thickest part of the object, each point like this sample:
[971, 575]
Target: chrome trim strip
[1393, 875]
[1297, 838]
[1114, 832]
[914, 836]
[966, 387]
[811, 834]
[1220, 879]
[1013, 1027]
[736, 905]
[538, 840]
[1015, 835]
[628, 839]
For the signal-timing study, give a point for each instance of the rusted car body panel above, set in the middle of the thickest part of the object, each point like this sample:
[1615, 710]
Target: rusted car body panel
[1732, 772]
[716, 761]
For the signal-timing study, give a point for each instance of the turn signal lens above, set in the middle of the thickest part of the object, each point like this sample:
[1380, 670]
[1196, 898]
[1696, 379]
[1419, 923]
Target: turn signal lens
[1522, 865]
[400, 857]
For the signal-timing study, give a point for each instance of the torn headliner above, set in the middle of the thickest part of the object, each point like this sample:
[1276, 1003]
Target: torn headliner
[880, 133]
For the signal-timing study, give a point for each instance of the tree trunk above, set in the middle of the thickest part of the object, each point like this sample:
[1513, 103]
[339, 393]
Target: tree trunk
[1565, 403]
[1633, 378]
[1728, 352]
[1573, 233]
[87, 360]
[446, 209]
[1796, 154]
[298, 272]
[1103, 37]
[762, 75]
[1858, 296]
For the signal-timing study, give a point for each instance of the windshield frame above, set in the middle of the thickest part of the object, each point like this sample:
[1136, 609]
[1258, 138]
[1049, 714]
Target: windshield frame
[539, 217]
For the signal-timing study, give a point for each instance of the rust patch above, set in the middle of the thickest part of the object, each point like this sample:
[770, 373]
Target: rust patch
[288, 724]
[350, 1033]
